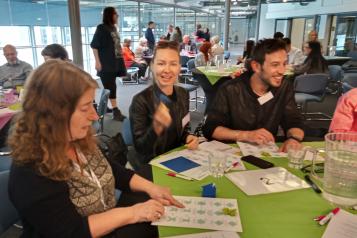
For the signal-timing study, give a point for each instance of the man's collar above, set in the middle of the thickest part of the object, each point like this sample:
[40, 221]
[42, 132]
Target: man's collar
[14, 64]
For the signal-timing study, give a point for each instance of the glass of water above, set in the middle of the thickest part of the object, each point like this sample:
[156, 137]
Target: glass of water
[217, 163]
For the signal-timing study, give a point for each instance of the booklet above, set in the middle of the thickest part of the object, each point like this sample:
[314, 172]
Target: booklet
[213, 234]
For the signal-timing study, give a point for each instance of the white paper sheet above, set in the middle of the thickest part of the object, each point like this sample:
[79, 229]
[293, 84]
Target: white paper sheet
[213, 234]
[199, 156]
[268, 150]
[342, 225]
[219, 146]
[263, 181]
[204, 213]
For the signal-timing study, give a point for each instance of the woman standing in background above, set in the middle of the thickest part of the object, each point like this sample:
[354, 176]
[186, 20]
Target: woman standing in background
[109, 61]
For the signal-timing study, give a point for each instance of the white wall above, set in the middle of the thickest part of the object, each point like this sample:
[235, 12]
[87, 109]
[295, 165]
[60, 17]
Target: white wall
[283, 10]
[266, 26]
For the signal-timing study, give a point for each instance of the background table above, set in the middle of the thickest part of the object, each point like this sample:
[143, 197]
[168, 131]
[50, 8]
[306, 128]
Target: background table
[213, 74]
[286, 214]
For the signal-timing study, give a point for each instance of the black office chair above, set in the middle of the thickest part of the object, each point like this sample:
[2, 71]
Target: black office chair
[336, 76]
[349, 82]
[311, 88]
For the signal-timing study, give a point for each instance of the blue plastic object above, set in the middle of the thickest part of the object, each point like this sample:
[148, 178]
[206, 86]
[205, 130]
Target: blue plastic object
[209, 190]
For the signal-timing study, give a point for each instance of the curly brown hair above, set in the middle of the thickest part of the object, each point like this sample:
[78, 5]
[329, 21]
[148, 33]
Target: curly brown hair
[40, 135]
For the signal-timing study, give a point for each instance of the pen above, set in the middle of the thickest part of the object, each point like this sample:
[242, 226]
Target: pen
[231, 167]
[179, 176]
[324, 220]
[312, 184]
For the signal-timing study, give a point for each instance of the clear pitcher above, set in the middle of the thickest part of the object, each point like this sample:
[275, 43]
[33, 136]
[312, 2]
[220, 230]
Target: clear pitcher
[340, 169]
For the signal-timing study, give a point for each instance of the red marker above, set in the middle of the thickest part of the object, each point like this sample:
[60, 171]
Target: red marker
[328, 217]
[171, 174]
[235, 164]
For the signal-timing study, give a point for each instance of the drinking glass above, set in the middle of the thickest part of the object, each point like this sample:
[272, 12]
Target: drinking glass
[217, 163]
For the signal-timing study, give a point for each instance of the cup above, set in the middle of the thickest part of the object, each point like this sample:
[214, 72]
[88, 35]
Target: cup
[217, 163]
[297, 154]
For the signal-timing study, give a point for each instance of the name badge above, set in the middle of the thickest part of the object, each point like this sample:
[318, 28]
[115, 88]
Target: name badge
[265, 98]
[185, 120]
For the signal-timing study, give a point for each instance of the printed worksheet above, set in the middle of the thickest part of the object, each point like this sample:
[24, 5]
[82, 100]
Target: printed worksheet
[213, 234]
[206, 213]
[342, 225]
[268, 150]
[219, 146]
[263, 181]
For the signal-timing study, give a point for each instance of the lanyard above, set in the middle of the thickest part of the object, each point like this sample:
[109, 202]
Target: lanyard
[92, 177]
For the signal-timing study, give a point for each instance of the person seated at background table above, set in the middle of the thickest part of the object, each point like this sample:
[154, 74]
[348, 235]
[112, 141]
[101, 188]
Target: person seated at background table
[142, 50]
[159, 115]
[345, 116]
[188, 44]
[278, 35]
[204, 56]
[252, 108]
[247, 53]
[295, 55]
[15, 71]
[129, 58]
[177, 35]
[313, 36]
[60, 183]
[55, 51]
[314, 63]
[216, 49]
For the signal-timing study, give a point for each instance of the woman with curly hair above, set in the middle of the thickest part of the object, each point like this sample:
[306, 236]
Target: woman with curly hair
[205, 54]
[60, 182]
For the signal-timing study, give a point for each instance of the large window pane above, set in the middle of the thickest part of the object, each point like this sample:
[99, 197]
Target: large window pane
[185, 19]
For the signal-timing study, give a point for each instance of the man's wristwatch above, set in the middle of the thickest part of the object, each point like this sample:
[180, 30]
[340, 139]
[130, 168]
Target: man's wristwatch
[294, 138]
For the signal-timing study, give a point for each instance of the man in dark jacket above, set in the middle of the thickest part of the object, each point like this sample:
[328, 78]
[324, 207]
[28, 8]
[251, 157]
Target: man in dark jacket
[252, 107]
[149, 35]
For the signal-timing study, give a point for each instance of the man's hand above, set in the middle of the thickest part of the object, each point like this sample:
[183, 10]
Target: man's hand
[287, 143]
[162, 119]
[260, 136]
[98, 66]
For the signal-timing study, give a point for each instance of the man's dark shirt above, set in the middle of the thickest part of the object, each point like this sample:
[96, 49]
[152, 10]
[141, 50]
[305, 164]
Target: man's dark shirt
[236, 107]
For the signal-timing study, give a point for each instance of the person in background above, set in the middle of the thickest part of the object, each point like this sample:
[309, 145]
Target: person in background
[15, 71]
[314, 63]
[247, 53]
[59, 176]
[109, 61]
[295, 55]
[188, 44]
[252, 108]
[313, 36]
[345, 116]
[278, 35]
[177, 35]
[162, 38]
[207, 35]
[55, 51]
[129, 58]
[149, 35]
[217, 49]
[200, 35]
[205, 55]
[170, 32]
[142, 50]
[159, 115]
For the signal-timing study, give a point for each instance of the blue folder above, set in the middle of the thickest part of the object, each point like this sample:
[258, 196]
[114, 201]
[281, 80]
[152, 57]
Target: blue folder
[180, 164]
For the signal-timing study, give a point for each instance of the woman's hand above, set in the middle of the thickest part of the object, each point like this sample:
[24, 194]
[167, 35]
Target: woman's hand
[151, 210]
[163, 195]
[162, 119]
[98, 66]
[192, 142]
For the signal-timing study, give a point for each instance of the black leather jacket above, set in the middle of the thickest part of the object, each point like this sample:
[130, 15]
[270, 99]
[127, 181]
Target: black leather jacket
[142, 109]
[236, 107]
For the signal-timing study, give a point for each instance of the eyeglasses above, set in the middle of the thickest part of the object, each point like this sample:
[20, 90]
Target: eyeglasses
[319, 168]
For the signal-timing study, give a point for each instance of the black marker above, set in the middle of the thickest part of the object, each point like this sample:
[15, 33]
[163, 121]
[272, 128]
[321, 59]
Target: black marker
[313, 185]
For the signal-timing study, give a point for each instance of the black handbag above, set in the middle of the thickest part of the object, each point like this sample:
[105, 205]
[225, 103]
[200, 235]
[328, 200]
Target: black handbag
[113, 148]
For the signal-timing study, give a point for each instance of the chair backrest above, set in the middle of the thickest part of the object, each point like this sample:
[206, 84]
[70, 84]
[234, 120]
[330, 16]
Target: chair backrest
[311, 83]
[191, 64]
[5, 163]
[352, 54]
[8, 213]
[127, 133]
[103, 102]
[336, 72]
[184, 59]
[349, 81]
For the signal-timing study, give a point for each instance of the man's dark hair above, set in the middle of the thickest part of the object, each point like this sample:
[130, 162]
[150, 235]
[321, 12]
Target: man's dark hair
[278, 35]
[265, 47]
[108, 13]
[150, 22]
[55, 51]
[287, 41]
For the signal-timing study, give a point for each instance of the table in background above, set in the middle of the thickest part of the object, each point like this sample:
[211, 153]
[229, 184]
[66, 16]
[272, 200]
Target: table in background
[336, 60]
[286, 214]
[214, 75]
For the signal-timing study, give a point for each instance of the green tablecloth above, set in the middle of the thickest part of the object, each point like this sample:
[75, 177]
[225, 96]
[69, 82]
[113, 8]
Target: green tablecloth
[213, 75]
[286, 214]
